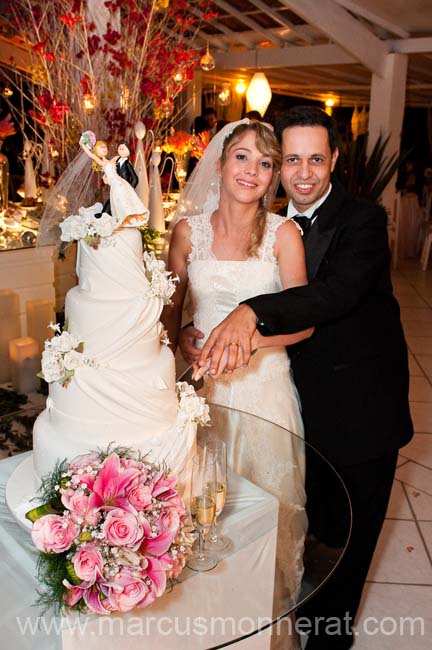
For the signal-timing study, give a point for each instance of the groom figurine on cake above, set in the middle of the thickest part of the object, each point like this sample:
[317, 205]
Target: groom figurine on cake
[124, 169]
[352, 374]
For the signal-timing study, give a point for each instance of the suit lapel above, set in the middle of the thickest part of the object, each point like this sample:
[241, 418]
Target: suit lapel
[316, 246]
[320, 236]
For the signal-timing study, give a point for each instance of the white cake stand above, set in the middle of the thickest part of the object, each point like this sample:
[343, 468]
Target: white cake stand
[20, 492]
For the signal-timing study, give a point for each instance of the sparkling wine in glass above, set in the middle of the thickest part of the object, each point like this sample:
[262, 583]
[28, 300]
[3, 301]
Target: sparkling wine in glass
[218, 449]
[203, 507]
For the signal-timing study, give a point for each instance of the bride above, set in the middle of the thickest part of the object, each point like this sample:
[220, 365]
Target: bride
[226, 247]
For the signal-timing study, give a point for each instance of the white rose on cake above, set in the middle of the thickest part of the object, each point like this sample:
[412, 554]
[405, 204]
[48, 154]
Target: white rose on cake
[72, 228]
[52, 367]
[162, 285]
[73, 360]
[105, 225]
[64, 342]
[62, 355]
[192, 407]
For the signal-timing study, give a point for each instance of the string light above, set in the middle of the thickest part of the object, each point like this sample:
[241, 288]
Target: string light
[207, 62]
[89, 103]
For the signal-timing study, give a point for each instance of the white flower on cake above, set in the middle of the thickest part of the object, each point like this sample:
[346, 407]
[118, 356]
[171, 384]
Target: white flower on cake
[62, 355]
[85, 225]
[162, 285]
[192, 407]
[73, 360]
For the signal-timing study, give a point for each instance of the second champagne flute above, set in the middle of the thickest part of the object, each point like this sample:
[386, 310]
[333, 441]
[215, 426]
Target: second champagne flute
[216, 541]
[203, 507]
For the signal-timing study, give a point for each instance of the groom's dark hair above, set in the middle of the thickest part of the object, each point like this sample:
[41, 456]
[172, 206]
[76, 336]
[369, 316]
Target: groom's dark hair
[308, 116]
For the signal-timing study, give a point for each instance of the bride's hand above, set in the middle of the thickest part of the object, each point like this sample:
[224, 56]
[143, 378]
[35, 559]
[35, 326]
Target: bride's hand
[200, 371]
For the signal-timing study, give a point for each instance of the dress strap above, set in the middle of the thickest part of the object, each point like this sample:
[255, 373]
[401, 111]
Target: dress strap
[266, 250]
[201, 237]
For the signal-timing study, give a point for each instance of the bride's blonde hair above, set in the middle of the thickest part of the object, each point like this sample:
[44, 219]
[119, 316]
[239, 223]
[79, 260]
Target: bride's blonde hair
[97, 144]
[266, 142]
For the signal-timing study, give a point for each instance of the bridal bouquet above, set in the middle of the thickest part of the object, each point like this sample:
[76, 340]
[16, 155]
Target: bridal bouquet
[88, 138]
[62, 355]
[111, 535]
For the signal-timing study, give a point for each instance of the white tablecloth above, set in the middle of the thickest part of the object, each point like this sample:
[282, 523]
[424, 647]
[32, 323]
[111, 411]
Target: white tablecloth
[202, 612]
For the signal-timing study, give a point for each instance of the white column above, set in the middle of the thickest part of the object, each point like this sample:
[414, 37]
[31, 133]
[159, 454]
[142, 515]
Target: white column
[387, 107]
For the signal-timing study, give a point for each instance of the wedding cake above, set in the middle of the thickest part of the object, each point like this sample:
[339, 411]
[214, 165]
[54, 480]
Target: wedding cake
[111, 375]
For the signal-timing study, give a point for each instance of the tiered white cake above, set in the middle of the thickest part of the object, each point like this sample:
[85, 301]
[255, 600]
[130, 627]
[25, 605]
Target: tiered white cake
[127, 394]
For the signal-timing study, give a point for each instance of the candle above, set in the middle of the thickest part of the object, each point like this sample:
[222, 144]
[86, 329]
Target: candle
[25, 364]
[10, 328]
[40, 313]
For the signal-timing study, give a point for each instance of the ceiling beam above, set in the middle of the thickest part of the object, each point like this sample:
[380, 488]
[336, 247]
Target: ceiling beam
[411, 45]
[344, 29]
[233, 36]
[284, 22]
[252, 24]
[284, 57]
[372, 17]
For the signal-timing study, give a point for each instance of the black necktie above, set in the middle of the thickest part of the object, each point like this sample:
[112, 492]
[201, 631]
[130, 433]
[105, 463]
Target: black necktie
[304, 222]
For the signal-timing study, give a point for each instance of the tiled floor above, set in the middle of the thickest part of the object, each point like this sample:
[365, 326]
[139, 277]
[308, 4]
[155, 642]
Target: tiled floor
[396, 610]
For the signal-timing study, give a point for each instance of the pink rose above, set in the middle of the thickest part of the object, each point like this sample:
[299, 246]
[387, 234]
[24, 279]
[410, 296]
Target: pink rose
[78, 504]
[84, 460]
[88, 563]
[128, 590]
[122, 528]
[140, 496]
[54, 534]
[127, 463]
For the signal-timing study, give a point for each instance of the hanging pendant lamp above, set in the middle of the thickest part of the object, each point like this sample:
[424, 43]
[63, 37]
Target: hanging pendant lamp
[259, 93]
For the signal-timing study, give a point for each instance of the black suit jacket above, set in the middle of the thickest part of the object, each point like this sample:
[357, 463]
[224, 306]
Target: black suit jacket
[127, 172]
[352, 374]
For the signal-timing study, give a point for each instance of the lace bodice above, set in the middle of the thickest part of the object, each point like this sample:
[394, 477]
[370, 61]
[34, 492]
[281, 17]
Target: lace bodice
[202, 239]
[218, 286]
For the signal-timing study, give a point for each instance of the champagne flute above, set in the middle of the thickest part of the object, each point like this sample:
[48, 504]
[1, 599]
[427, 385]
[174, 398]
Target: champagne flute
[218, 449]
[203, 507]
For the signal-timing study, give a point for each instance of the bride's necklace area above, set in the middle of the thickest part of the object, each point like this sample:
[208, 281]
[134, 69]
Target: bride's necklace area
[231, 245]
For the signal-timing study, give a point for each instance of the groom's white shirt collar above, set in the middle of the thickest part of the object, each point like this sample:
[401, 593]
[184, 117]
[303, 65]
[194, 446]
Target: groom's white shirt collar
[293, 212]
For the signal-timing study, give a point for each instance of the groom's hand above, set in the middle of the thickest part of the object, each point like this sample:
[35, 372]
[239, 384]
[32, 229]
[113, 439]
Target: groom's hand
[234, 333]
[186, 341]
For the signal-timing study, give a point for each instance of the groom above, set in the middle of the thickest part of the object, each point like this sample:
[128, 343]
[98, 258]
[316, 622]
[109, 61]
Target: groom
[352, 374]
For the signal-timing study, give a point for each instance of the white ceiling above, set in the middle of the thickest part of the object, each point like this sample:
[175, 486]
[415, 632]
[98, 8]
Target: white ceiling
[315, 48]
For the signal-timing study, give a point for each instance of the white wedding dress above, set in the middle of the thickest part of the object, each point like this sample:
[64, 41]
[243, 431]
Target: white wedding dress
[265, 388]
